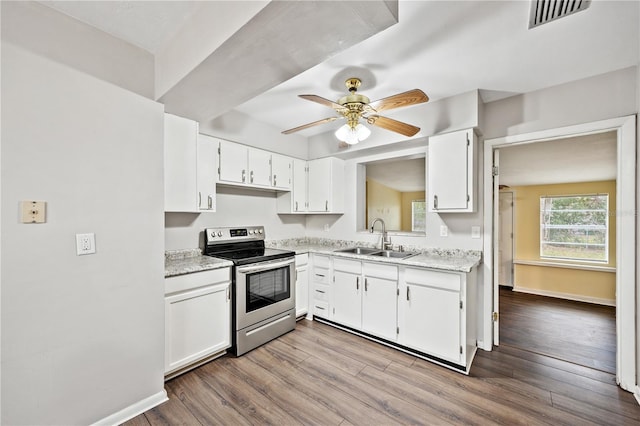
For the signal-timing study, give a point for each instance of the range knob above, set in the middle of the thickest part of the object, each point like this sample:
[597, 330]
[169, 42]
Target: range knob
[260, 231]
[219, 233]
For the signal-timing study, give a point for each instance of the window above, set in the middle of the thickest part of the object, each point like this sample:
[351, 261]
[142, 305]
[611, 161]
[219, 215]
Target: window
[575, 227]
[418, 216]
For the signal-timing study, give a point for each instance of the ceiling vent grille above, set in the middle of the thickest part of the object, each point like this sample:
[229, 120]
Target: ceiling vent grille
[543, 11]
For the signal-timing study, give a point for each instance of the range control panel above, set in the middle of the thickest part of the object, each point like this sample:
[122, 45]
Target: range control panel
[232, 234]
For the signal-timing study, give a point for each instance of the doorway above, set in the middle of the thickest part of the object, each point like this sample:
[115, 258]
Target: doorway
[625, 235]
[505, 238]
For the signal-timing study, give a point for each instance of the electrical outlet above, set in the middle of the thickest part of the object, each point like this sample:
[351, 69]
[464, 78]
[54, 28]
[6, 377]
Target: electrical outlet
[85, 244]
[444, 231]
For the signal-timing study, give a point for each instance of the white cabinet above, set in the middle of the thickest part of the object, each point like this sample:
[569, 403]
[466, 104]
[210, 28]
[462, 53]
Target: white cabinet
[326, 185]
[197, 318]
[302, 285]
[320, 280]
[317, 187]
[206, 172]
[281, 166]
[252, 167]
[451, 172]
[436, 312]
[364, 297]
[346, 293]
[379, 300]
[180, 158]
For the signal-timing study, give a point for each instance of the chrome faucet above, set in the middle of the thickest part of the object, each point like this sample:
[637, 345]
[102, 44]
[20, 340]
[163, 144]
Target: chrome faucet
[386, 241]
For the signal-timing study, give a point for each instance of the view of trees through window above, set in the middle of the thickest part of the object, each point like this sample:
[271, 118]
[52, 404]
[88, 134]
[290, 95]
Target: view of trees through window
[418, 216]
[575, 227]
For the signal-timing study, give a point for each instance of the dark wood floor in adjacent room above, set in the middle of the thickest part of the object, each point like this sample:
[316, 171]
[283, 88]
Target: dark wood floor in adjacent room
[578, 332]
[321, 375]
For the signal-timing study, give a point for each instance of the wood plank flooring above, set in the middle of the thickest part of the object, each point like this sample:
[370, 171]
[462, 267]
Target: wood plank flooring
[577, 332]
[319, 375]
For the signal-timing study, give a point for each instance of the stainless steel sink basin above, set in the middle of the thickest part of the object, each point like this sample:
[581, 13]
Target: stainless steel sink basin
[358, 250]
[393, 254]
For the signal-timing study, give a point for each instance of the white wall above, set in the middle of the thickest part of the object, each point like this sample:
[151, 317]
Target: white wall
[82, 336]
[63, 39]
[235, 207]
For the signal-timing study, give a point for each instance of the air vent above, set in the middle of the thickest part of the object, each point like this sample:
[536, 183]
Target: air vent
[543, 11]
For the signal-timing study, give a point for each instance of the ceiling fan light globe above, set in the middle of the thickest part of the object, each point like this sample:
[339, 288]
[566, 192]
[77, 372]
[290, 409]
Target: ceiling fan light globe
[363, 132]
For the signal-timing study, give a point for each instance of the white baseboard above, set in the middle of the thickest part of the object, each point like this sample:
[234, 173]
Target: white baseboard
[134, 409]
[568, 296]
[637, 394]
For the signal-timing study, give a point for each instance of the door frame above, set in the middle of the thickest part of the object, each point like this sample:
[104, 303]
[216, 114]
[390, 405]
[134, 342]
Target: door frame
[626, 234]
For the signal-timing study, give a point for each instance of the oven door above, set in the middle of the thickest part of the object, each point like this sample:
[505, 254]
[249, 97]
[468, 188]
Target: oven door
[264, 290]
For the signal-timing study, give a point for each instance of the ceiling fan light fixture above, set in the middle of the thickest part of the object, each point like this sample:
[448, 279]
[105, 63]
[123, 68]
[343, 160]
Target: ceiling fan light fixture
[352, 135]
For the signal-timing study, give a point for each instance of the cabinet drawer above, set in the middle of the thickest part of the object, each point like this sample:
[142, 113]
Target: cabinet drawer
[320, 275]
[321, 309]
[443, 280]
[302, 259]
[352, 266]
[321, 292]
[380, 270]
[196, 279]
[321, 261]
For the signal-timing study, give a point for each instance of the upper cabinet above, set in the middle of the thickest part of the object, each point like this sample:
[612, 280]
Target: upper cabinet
[451, 168]
[317, 188]
[246, 166]
[189, 167]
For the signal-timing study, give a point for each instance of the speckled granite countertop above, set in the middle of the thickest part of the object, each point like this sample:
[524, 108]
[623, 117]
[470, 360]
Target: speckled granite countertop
[444, 259]
[180, 262]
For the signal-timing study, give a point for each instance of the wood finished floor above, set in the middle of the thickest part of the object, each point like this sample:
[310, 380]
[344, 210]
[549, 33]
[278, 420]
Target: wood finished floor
[582, 333]
[319, 375]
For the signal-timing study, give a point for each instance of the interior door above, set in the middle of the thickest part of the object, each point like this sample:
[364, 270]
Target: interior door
[505, 242]
[496, 246]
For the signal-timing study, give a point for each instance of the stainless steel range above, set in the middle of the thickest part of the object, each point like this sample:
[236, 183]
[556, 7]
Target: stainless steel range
[263, 285]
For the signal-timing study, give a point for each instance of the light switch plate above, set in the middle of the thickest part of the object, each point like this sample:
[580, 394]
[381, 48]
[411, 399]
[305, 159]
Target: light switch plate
[85, 244]
[32, 211]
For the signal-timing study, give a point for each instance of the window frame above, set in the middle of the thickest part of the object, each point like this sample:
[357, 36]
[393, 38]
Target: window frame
[542, 242]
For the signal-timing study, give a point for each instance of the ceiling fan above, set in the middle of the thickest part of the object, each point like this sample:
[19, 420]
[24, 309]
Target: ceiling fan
[355, 106]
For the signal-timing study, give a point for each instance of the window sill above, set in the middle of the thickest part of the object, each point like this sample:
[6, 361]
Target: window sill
[596, 268]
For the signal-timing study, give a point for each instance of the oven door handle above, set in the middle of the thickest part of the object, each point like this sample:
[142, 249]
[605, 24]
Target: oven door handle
[264, 266]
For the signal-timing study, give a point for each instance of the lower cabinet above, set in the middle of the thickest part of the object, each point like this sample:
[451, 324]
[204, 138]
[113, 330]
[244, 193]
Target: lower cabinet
[302, 284]
[346, 294]
[436, 314]
[320, 278]
[197, 318]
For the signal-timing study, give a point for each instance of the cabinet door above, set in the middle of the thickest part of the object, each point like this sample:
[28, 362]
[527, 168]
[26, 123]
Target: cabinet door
[346, 304]
[450, 172]
[319, 185]
[299, 190]
[233, 163]
[259, 167]
[180, 158]
[379, 307]
[197, 324]
[281, 171]
[207, 164]
[302, 290]
[431, 320]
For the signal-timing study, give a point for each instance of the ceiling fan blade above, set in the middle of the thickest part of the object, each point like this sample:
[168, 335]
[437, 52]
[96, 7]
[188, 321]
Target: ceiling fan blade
[411, 97]
[306, 126]
[323, 101]
[393, 125]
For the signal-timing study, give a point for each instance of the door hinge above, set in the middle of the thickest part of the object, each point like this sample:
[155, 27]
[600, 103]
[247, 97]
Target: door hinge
[495, 316]
[494, 171]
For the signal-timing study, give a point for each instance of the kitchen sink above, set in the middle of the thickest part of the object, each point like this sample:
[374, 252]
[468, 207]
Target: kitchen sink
[393, 254]
[358, 250]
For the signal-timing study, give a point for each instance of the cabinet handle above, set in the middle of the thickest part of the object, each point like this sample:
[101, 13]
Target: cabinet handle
[366, 286]
[320, 291]
[357, 283]
[319, 307]
[320, 275]
[199, 199]
[210, 200]
[244, 175]
[435, 202]
[228, 293]
[407, 292]
[274, 180]
[251, 176]
[326, 206]
[296, 206]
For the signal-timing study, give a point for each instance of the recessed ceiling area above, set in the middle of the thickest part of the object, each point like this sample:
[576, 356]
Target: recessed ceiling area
[588, 158]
